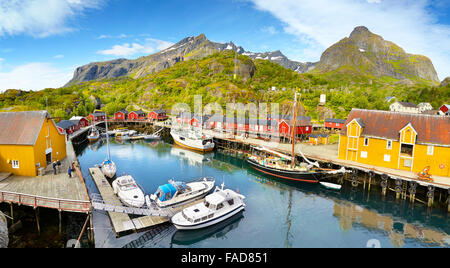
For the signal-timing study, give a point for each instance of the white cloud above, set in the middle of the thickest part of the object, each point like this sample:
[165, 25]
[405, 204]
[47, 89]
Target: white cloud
[34, 76]
[270, 30]
[58, 56]
[107, 36]
[317, 24]
[40, 18]
[150, 46]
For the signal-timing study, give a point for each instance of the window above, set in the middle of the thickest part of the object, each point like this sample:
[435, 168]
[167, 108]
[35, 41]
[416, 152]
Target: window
[407, 150]
[219, 206]
[363, 154]
[389, 145]
[231, 202]
[387, 158]
[15, 164]
[366, 141]
[430, 150]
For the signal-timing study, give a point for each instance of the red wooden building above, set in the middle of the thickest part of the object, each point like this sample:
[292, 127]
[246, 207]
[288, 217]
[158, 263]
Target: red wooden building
[67, 127]
[444, 110]
[97, 116]
[333, 123]
[80, 121]
[303, 126]
[158, 115]
[137, 115]
[121, 115]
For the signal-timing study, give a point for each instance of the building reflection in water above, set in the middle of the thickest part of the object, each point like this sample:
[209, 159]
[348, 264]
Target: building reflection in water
[349, 214]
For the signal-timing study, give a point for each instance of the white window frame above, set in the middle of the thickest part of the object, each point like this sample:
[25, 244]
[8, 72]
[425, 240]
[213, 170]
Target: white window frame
[366, 139]
[15, 164]
[430, 150]
[387, 145]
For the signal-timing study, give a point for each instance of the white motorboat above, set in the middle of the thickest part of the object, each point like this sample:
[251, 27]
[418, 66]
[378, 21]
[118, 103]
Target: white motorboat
[128, 191]
[218, 206]
[177, 193]
[108, 166]
[193, 140]
[94, 134]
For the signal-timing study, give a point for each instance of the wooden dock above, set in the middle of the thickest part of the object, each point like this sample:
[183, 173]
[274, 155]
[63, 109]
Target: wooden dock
[56, 191]
[121, 221]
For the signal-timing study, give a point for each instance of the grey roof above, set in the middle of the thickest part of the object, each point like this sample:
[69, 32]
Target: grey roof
[21, 128]
[335, 120]
[64, 124]
[407, 104]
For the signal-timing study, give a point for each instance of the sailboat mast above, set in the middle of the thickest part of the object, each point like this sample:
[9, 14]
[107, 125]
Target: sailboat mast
[293, 130]
[107, 138]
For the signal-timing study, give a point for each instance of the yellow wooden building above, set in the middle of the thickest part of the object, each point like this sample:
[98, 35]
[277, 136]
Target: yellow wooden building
[29, 141]
[397, 140]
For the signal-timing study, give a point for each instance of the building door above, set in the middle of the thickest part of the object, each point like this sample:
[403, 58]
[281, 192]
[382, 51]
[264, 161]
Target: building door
[48, 158]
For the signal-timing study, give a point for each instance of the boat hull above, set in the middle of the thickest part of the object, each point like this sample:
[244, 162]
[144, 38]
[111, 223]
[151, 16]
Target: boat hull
[109, 170]
[299, 176]
[210, 222]
[193, 148]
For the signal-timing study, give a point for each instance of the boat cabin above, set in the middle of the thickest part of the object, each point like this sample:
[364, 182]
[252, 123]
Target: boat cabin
[168, 191]
[126, 183]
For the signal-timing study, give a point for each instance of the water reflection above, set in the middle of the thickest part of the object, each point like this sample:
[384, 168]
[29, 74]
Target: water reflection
[279, 213]
[397, 230]
[217, 231]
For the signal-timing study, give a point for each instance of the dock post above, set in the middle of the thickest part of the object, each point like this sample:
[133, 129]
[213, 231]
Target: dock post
[91, 229]
[430, 195]
[398, 188]
[12, 213]
[412, 191]
[370, 180]
[59, 216]
[384, 184]
[36, 212]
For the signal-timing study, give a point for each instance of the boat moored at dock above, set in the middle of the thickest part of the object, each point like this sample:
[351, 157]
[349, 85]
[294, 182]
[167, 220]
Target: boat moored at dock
[193, 140]
[128, 191]
[217, 207]
[94, 134]
[176, 193]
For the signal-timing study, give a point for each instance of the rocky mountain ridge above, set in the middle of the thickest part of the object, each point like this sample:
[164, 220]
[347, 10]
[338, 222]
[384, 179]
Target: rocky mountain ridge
[362, 53]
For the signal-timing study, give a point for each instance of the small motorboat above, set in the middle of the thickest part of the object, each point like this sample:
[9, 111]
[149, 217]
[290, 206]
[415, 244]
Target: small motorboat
[151, 137]
[176, 193]
[94, 134]
[126, 188]
[331, 186]
[217, 207]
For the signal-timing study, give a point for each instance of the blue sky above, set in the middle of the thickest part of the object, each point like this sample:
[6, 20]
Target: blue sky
[43, 41]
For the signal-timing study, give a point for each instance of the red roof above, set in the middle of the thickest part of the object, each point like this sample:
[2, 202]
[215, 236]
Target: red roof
[431, 129]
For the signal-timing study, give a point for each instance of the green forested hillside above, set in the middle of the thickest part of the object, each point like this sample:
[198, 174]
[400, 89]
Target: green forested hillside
[213, 78]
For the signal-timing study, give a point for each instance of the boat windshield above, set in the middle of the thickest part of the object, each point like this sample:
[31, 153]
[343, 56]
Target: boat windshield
[128, 187]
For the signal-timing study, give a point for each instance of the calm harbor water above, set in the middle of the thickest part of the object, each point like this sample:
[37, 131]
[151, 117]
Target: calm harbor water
[278, 214]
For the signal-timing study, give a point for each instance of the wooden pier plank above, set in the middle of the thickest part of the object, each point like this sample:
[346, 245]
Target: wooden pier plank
[121, 222]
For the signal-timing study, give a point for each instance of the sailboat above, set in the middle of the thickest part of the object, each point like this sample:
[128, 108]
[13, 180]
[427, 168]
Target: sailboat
[108, 166]
[283, 166]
